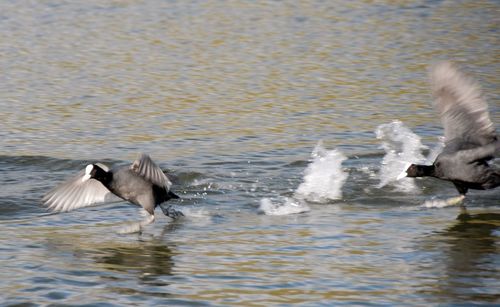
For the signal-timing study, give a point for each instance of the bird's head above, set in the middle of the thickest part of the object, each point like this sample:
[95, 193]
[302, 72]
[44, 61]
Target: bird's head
[415, 170]
[95, 171]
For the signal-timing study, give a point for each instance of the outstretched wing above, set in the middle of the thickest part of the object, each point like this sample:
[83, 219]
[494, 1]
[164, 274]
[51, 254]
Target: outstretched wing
[75, 193]
[463, 111]
[146, 168]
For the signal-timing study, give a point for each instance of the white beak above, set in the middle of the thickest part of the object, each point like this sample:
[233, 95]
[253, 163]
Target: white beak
[404, 173]
[88, 170]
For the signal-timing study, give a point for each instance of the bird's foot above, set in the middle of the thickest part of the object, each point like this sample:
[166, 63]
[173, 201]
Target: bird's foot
[455, 200]
[171, 212]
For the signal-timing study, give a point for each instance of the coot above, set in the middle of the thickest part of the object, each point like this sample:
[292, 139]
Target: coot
[142, 183]
[470, 137]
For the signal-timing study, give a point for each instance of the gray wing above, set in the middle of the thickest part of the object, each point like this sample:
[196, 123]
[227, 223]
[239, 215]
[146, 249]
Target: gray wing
[146, 168]
[73, 194]
[485, 152]
[463, 111]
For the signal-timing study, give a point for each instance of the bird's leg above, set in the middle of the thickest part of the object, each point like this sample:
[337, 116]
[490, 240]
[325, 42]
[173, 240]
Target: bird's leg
[461, 188]
[171, 212]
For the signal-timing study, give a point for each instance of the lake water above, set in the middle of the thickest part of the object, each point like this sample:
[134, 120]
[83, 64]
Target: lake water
[232, 99]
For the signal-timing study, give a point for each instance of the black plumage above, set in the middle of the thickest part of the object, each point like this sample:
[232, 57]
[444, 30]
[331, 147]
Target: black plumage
[470, 137]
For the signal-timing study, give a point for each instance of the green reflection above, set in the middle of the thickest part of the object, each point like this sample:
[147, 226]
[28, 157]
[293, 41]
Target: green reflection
[468, 249]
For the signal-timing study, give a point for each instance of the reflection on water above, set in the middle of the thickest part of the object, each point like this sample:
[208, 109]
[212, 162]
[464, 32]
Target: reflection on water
[149, 259]
[469, 258]
[124, 265]
[473, 252]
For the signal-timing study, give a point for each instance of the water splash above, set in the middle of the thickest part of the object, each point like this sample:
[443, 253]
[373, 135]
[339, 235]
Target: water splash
[136, 227]
[324, 177]
[401, 146]
[282, 206]
[130, 228]
[190, 212]
[442, 203]
[435, 203]
[322, 182]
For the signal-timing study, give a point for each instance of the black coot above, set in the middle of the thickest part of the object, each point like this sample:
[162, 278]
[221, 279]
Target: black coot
[142, 183]
[470, 137]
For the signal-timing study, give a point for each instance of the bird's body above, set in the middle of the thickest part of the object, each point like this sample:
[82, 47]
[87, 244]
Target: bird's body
[470, 137]
[467, 168]
[142, 183]
[134, 188]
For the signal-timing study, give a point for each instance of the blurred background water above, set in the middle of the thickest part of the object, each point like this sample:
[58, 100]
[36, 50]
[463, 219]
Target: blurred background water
[231, 98]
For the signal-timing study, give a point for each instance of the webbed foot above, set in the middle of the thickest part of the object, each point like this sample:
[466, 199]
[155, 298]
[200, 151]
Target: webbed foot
[171, 212]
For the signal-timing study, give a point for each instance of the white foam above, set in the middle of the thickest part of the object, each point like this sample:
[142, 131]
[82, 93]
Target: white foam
[136, 227]
[324, 177]
[402, 146]
[435, 203]
[133, 227]
[322, 182]
[282, 206]
[442, 203]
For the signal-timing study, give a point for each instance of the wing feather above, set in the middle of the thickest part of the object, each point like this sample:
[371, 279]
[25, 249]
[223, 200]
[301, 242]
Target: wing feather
[73, 194]
[463, 110]
[146, 168]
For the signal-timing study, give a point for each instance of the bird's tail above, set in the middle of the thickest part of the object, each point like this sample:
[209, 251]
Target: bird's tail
[171, 195]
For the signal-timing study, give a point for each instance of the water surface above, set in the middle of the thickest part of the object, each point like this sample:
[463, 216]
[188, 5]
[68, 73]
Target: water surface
[231, 99]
